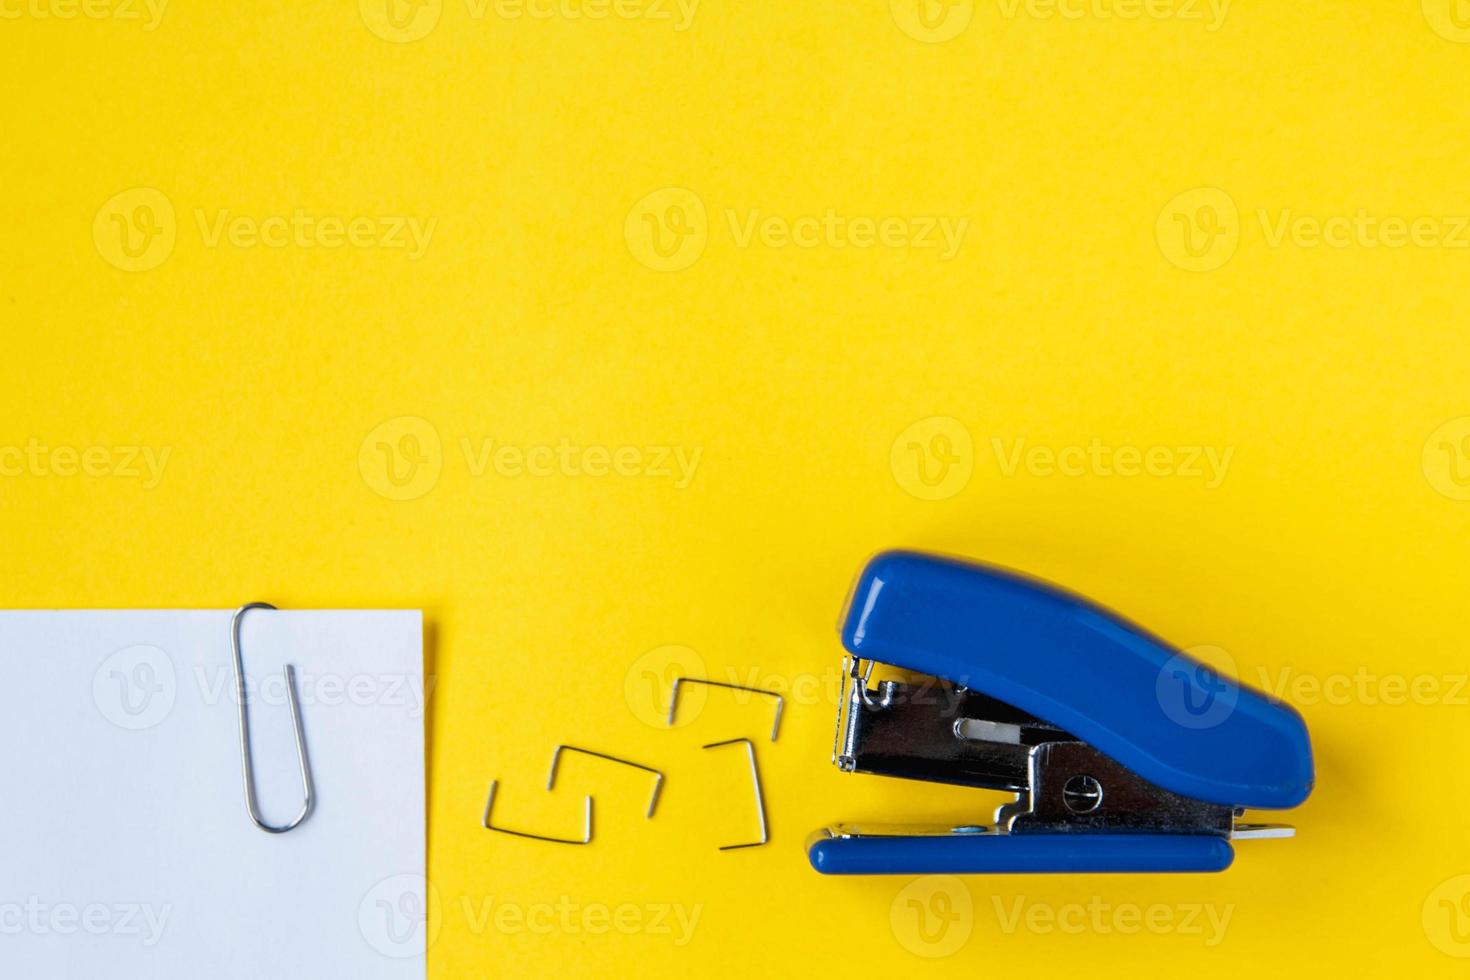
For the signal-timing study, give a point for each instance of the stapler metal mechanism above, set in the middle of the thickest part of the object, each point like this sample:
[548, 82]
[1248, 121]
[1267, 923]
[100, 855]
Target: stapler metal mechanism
[1124, 754]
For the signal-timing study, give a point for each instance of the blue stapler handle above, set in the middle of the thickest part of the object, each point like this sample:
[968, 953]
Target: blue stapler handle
[1070, 662]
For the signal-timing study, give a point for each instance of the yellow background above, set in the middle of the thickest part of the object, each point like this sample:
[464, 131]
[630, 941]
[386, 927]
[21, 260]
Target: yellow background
[1333, 547]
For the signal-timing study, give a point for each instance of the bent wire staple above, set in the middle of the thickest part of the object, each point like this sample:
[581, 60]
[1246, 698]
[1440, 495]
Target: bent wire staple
[490, 804]
[674, 698]
[658, 777]
[760, 802]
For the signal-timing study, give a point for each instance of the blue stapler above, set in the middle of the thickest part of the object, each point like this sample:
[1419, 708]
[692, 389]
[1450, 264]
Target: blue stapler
[1124, 754]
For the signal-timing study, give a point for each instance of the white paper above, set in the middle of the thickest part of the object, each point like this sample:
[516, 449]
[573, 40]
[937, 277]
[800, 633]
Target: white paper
[125, 847]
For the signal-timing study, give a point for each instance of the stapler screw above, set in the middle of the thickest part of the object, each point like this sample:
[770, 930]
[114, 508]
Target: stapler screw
[1082, 794]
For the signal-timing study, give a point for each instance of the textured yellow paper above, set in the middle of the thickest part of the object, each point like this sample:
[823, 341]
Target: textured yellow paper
[616, 335]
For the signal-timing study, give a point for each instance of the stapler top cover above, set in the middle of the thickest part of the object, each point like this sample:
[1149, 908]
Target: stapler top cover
[1082, 668]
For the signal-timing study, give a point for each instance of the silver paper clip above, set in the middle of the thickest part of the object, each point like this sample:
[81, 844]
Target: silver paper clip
[247, 765]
